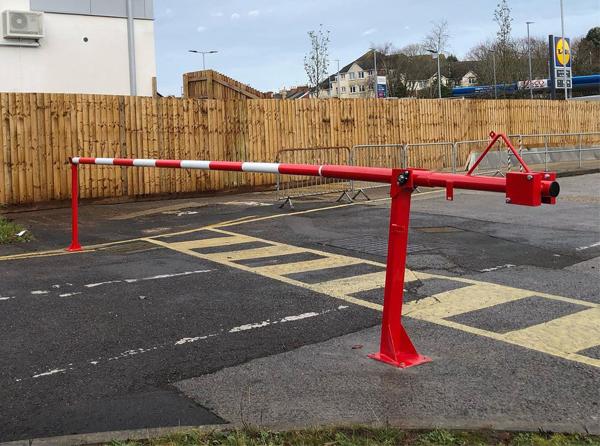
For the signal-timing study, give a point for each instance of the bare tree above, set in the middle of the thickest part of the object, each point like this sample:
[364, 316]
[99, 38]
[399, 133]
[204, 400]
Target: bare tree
[504, 20]
[413, 49]
[438, 37]
[316, 62]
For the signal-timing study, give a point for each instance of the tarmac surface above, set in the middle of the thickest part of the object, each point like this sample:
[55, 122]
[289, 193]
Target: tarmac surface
[230, 310]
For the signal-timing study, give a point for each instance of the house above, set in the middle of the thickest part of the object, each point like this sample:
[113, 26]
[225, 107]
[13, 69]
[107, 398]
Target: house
[77, 46]
[468, 79]
[299, 92]
[356, 80]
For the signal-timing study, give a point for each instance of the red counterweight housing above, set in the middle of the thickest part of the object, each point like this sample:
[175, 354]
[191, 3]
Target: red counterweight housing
[531, 188]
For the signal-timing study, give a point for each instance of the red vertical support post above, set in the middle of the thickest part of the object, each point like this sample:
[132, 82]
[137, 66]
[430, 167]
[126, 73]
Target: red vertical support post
[75, 246]
[396, 347]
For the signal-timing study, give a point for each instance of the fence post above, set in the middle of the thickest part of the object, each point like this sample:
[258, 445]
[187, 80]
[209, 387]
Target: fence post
[545, 153]
[454, 155]
[396, 347]
[580, 137]
[75, 246]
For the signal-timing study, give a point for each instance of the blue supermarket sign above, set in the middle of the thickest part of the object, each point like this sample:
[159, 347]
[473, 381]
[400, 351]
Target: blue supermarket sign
[382, 87]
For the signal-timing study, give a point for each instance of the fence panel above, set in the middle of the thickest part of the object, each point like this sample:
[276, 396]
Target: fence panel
[38, 132]
[375, 155]
[292, 186]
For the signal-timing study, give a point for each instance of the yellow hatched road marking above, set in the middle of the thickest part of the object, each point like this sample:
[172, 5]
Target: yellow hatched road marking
[570, 334]
[308, 265]
[562, 337]
[464, 300]
[356, 284]
[213, 242]
[256, 253]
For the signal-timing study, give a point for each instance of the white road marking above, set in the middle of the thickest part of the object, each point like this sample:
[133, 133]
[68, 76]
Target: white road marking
[6, 298]
[69, 294]
[168, 276]
[162, 276]
[496, 268]
[94, 285]
[583, 248]
[191, 340]
[299, 317]
[49, 373]
[39, 293]
[250, 326]
[185, 341]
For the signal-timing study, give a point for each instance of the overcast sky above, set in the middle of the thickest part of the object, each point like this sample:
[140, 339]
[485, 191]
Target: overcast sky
[263, 42]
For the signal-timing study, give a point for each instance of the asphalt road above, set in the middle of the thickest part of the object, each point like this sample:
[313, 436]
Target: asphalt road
[169, 330]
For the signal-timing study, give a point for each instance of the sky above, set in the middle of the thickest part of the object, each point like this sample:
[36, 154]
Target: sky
[263, 42]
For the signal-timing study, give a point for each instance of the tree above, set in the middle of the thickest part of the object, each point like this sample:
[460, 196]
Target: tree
[316, 62]
[504, 20]
[438, 37]
[586, 53]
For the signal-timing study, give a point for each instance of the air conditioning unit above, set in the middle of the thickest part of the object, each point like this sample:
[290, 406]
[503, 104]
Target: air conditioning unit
[23, 25]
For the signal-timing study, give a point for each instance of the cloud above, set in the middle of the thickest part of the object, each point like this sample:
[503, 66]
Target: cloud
[254, 13]
[369, 31]
[201, 29]
[216, 14]
[235, 16]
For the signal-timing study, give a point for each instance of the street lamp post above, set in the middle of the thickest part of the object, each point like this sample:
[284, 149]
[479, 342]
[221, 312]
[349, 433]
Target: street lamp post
[562, 26]
[436, 54]
[204, 53]
[530, 70]
[375, 71]
[494, 67]
[337, 78]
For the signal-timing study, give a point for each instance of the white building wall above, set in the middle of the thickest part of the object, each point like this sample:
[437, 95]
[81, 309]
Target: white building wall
[64, 63]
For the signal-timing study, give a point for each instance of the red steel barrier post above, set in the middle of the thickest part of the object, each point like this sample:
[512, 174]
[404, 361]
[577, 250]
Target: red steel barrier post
[75, 246]
[396, 347]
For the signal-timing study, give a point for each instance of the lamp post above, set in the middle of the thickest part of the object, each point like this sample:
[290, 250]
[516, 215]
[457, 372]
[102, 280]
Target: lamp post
[337, 78]
[562, 27]
[436, 54]
[204, 53]
[131, 48]
[530, 70]
[375, 72]
[494, 68]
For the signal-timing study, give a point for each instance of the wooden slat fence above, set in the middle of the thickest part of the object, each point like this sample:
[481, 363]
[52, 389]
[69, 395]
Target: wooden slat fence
[38, 132]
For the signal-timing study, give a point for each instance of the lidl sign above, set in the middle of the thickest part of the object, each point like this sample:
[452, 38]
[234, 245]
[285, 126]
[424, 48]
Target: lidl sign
[562, 52]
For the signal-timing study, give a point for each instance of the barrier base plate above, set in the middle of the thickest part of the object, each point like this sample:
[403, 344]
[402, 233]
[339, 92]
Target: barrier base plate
[402, 361]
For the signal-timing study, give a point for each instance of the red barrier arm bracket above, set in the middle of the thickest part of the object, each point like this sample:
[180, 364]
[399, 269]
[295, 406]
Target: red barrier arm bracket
[495, 137]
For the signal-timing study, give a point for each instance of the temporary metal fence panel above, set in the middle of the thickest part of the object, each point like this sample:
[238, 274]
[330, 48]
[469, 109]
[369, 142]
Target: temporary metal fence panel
[561, 150]
[437, 156]
[294, 186]
[375, 155]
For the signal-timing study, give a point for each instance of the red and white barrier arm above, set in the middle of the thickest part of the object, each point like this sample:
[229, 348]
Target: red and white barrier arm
[421, 178]
[375, 174]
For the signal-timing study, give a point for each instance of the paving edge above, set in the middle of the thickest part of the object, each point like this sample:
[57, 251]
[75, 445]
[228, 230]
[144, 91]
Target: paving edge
[144, 434]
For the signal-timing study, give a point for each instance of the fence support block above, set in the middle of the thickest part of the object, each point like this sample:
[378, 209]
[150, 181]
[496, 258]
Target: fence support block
[75, 246]
[396, 347]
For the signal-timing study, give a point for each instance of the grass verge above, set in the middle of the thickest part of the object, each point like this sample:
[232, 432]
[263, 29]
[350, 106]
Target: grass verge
[9, 231]
[361, 436]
